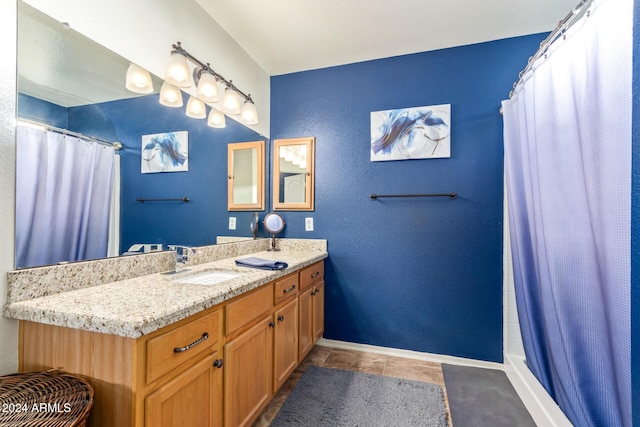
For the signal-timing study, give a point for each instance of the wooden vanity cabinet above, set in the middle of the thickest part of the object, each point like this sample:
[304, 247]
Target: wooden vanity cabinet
[192, 396]
[311, 307]
[285, 347]
[218, 367]
[191, 399]
[248, 356]
[138, 382]
[259, 355]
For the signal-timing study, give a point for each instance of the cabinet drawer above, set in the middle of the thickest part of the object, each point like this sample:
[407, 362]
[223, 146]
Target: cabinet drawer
[245, 309]
[311, 274]
[173, 348]
[285, 288]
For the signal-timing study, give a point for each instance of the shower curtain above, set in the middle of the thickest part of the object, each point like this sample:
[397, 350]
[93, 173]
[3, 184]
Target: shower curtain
[567, 131]
[63, 197]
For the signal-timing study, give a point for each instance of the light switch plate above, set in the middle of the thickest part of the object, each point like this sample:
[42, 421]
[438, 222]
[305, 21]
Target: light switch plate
[232, 223]
[308, 224]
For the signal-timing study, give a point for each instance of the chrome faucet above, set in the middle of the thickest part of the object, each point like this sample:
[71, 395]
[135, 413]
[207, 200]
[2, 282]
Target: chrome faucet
[182, 256]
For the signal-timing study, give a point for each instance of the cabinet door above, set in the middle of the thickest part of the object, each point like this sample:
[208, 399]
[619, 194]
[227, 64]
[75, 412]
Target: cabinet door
[285, 352]
[194, 398]
[248, 374]
[318, 311]
[305, 317]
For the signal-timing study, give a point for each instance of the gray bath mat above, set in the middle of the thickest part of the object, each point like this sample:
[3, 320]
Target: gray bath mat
[481, 397]
[333, 397]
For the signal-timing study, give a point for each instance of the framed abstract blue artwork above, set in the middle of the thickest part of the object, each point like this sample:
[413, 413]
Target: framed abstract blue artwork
[411, 133]
[165, 152]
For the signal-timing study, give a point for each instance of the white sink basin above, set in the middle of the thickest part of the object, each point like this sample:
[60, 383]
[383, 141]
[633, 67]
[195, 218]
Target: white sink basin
[208, 278]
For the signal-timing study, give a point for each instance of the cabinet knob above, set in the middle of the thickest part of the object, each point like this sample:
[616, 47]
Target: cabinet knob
[218, 363]
[281, 318]
[272, 324]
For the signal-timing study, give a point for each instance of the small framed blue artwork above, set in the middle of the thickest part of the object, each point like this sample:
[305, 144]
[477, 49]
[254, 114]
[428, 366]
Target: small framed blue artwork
[411, 133]
[165, 152]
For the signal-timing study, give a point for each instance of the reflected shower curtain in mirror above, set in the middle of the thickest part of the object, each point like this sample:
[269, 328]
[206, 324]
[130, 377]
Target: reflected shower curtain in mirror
[567, 135]
[63, 196]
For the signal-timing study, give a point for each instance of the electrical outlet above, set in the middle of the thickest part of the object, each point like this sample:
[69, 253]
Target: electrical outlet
[308, 224]
[232, 223]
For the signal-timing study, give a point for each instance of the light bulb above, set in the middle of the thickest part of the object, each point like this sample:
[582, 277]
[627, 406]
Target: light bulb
[216, 119]
[196, 108]
[177, 72]
[231, 102]
[208, 87]
[138, 79]
[170, 95]
[249, 115]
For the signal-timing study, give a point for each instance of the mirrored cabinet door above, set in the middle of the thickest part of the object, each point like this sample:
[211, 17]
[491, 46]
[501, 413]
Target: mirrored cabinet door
[293, 174]
[246, 176]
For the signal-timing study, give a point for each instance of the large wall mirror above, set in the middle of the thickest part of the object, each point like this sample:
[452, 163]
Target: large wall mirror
[246, 176]
[293, 174]
[67, 81]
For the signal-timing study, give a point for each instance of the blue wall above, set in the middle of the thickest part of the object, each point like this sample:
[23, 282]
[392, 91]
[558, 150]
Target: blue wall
[40, 111]
[195, 223]
[418, 274]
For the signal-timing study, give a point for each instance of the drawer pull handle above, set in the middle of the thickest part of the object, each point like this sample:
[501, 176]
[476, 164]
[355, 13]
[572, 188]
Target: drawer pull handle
[205, 336]
[281, 318]
[291, 289]
[272, 324]
[316, 274]
[218, 363]
[315, 291]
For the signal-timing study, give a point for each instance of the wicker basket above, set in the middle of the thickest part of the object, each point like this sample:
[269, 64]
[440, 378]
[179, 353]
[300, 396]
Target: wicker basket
[51, 399]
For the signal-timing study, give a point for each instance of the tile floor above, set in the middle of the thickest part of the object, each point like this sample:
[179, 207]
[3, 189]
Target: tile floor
[371, 363]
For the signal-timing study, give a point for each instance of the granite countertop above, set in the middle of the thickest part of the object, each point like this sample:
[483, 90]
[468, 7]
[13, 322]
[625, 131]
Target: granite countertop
[135, 307]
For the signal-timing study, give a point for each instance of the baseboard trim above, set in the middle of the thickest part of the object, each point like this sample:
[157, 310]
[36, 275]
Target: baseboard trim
[409, 354]
[543, 409]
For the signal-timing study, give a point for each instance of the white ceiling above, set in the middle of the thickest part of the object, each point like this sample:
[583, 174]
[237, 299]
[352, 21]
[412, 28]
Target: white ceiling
[286, 36]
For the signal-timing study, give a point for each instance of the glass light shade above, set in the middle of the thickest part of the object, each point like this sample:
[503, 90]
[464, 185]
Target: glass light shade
[170, 95]
[196, 108]
[177, 72]
[249, 115]
[138, 80]
[208, 88]
[231, 102]
[216, 119]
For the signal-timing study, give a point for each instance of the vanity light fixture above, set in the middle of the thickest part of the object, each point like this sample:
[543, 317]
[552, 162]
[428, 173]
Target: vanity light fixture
[138, 79]
[216, 119]
[170, 95]
[207, 85]
[231, 102]
[249, 115]
[196, 108]
[234, 102]
[177, 72]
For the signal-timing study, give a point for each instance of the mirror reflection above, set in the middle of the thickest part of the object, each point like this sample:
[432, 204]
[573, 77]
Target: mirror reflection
[69, 82]
[293, 183]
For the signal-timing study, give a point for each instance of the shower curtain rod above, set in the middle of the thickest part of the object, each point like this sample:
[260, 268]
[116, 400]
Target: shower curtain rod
[577, 12]
[115, 145]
